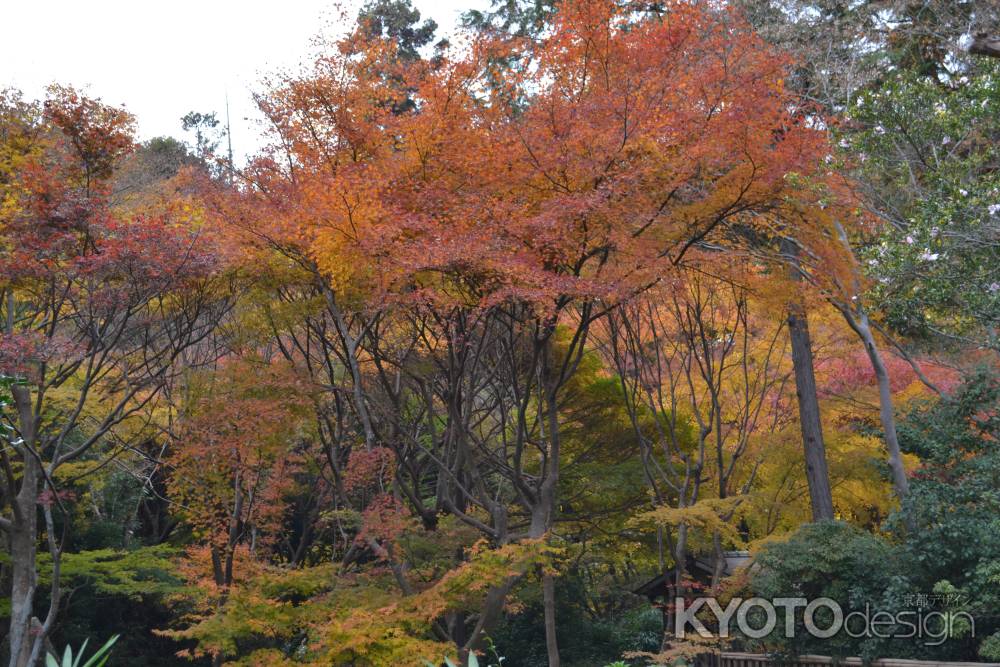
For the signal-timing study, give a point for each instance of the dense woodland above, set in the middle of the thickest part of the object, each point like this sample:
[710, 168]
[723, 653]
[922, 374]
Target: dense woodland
[504, 339]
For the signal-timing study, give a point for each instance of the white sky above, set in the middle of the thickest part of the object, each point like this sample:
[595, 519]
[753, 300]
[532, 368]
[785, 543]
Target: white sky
[163, 58]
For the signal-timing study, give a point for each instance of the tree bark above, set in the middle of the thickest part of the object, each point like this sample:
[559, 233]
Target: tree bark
[543, 516]
[857, 319]
[24, 537]
[350, 352]
[23, 585]
[489, 616]
[679, 589]
[817, 474]
[859, 323]
[549, 602]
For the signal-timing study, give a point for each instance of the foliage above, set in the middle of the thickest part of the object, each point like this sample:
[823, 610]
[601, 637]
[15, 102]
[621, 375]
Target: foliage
[236, 459]
[137, 574]
[310, 616]
[943, 558]
[832, 560]
[711, 516]
[927, 147]
[486, 338]
[96, 660]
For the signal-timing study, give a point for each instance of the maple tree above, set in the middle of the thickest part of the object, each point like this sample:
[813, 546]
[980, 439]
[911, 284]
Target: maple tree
[588, 175]
[97, 310]
[236, 458]
[489, 334]
[704, 383]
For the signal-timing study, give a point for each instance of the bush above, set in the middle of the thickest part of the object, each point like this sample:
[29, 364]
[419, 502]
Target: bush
[830, 559]
[940, 552]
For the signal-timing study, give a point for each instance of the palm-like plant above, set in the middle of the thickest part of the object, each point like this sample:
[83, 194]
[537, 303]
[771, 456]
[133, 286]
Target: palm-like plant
[69, 660]
[473, 662]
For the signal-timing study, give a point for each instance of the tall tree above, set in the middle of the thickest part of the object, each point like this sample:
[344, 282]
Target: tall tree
[97, 311]
[508, 218]
[810, 420]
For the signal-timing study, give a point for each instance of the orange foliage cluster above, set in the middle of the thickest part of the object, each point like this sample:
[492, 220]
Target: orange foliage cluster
[636, 143]
[237, 455]
[639, 170]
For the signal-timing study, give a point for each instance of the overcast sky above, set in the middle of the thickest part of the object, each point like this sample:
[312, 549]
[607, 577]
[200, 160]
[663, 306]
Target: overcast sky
[163, 58]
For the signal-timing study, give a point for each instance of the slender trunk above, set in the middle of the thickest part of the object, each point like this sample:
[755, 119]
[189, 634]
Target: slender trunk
[489, 616]
[541, 523]
[859, 322]
[351, 353]
[857, 319]
[24, 582]
[677, 591]
[817, 475]
[543, 511]
[40, 630]
[549, 601]
[719, 561]
[24, 536]
[222, 560]
[547, 498]
[496, 596]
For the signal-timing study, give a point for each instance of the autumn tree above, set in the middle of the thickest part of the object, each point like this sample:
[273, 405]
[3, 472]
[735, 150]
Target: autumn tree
[234, 465]
[502, 221]
[705, 386]
[907, 98]
[484, 337]
[97, 309]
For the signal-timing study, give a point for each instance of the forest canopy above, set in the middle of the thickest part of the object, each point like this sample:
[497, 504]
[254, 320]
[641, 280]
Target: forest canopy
[505, 342]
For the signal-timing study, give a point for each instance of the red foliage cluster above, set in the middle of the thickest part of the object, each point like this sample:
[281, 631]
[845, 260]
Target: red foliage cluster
[22, 352]
[382, 523]
[369, 470]
[64, 228]
[47, 498]
[100, 135]
[235, 460]
[848, 373]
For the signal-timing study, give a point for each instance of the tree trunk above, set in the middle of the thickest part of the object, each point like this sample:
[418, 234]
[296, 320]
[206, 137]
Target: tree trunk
[489, 615]
[24, 538]
[718, 562]
[548, 500]
[23, 584]
[541, 523]
[350, 352]
[678, 590]
[543, 514]
[549, 602]
[857, 319]
[817, 475]
[859, 322]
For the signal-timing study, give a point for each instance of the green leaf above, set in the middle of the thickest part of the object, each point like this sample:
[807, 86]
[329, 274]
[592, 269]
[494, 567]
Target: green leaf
[96, 660]
[101, 657]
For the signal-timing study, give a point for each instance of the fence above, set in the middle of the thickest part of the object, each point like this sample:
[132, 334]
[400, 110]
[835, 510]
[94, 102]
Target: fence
[760, 660]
